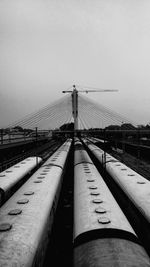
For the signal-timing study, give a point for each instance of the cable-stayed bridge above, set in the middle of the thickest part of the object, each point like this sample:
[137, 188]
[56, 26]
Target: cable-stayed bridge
[71, 108]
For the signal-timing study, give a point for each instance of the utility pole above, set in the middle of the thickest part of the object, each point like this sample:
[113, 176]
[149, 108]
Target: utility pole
[36, 137]
[74, 95]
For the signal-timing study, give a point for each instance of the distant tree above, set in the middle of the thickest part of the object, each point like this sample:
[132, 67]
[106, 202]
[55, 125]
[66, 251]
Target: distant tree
[127, 126]
[67, 127]
[18, 128]
[28, 130]
[147, 126]
[141, 127]
[144, 127]
[113, 127]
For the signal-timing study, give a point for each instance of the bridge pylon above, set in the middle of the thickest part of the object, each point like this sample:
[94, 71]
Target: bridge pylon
[74, 95]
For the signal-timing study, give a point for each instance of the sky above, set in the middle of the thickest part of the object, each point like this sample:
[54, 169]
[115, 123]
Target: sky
[46, 46]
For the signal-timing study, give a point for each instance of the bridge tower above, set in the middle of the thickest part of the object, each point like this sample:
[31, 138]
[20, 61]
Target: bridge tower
[74, 95]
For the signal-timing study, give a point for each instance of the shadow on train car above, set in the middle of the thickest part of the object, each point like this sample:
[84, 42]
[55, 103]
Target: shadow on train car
[60, 251]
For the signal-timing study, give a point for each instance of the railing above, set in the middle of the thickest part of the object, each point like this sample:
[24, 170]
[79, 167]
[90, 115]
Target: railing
[12, 137]
[34, 152]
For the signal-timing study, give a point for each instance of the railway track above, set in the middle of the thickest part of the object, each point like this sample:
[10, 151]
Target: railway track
[137, 150]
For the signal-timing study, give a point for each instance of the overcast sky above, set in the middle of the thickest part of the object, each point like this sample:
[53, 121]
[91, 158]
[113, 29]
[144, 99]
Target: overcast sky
[48, 45]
